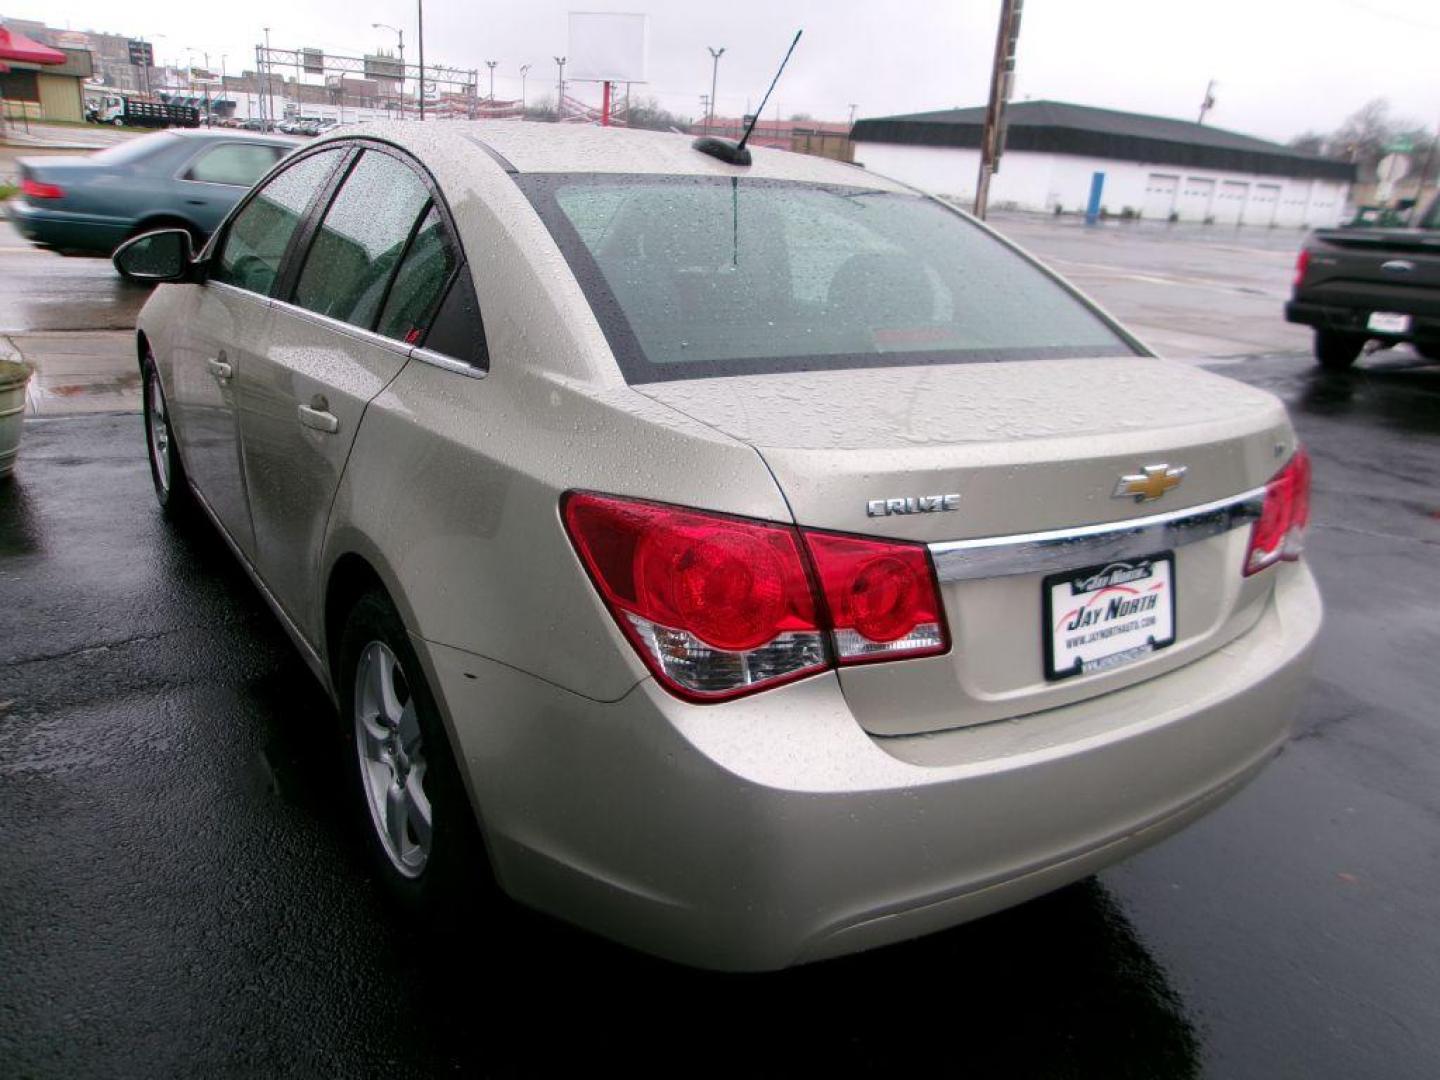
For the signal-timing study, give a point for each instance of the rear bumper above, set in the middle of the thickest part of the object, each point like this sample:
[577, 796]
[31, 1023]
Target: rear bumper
[773, 830]
[61, 229]
[1351, 320]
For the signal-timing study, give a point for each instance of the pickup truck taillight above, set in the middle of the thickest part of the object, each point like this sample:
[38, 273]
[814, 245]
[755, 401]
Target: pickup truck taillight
[719, 606]
[1280, 532]
[1302, 264]
[34, 189]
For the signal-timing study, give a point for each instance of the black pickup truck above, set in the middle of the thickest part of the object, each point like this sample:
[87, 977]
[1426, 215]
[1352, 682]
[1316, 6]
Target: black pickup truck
[1358, 285]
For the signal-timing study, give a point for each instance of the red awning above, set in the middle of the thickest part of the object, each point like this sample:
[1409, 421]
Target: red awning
[16, 46]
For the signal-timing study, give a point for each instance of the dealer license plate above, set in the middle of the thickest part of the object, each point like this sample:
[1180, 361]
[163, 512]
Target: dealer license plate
[1106, 616]
[1388, 322]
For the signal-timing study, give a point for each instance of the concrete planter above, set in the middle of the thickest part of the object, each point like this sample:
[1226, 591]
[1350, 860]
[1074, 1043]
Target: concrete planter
[14, 376]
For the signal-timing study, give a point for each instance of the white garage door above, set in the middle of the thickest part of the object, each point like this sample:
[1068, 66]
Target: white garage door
[1195, 198]
[1230, 203]
[1160, 191]
[1264, 204]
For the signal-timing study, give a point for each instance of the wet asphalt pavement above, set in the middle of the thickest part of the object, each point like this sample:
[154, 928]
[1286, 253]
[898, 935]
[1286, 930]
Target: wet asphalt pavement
[183, 893]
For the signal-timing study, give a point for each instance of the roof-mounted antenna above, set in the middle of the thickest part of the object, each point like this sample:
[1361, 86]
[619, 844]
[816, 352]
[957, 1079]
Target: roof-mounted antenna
[733, 153]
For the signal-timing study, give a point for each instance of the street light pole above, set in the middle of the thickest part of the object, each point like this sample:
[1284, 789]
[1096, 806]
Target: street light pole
[491, 65]
[714, 78]
[523, 69]
[560, 100]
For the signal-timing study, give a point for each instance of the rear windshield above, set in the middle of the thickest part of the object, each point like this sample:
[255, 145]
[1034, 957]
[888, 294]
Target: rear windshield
[134, 149]
[701, 276]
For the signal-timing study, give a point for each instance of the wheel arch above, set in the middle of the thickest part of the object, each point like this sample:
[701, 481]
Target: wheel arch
[351, 577]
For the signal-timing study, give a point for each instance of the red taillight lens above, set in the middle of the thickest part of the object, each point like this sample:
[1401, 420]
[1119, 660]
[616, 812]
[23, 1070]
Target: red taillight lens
[1280, 532]
[716, 606]
[1302, 264]
[720, 606]
[34, 189]
[882, 598]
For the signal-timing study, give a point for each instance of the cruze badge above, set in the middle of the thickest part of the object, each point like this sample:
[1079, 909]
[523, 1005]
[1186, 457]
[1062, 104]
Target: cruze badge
[915, 504]
[1152, 482]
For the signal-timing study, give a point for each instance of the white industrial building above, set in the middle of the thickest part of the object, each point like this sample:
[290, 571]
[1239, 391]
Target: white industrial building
[1156, 167]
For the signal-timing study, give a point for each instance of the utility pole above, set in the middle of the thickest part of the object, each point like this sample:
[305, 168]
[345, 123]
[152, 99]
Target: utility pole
[491, 65]
[1002, 80]
[523, 69]
[560, 100]
[714, 78]
[1208, 103]
[853, 107]
[420, 15]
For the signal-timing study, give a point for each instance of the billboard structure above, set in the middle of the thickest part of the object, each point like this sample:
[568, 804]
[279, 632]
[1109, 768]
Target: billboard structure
[608, 47]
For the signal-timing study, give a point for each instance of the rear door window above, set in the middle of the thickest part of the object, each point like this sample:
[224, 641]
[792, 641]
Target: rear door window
[240, 164]
[416, 292]
[251, 250]
[362, 239]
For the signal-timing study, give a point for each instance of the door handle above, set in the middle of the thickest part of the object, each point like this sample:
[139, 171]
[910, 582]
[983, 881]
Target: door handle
[319, 419]
[220, 369]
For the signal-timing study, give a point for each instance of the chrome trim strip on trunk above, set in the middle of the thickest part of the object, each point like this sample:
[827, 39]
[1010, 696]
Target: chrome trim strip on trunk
[1069, 549]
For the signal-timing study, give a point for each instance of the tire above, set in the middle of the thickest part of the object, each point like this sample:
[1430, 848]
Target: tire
[172, 489]
[401, 769]
[1337, 352]
[118, 121]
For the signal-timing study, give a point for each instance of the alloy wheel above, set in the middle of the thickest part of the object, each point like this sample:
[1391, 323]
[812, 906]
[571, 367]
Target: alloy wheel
[391, 757]
[159, 423]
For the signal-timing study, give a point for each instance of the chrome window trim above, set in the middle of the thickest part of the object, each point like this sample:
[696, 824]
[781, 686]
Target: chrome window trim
[369, 337]
[446, 363]
[1068, 549]
[211, 283]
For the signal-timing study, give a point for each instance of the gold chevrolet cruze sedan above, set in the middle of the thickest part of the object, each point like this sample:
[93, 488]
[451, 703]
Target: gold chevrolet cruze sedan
[751, 563]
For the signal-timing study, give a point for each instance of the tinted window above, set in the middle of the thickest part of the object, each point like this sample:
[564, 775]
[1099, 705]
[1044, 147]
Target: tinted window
[693, 276]
[234, 163]
[421, 280]
[457, 331]
[361, 240]
[256, 240]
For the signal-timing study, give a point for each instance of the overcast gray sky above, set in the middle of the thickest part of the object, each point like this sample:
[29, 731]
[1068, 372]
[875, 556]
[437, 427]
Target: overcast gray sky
[1282, 65]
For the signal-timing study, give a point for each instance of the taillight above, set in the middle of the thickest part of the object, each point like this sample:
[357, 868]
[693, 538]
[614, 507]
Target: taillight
[719, 606]
[1302, 264]
[716, 606]
[1280, 532]
[881, 597]
[34, 189]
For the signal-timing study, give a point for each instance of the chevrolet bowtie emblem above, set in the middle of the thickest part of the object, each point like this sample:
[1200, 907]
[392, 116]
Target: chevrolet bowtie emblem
[1153, 482]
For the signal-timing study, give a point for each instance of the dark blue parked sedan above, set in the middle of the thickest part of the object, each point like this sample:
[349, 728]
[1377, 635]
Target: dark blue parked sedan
[171, 179]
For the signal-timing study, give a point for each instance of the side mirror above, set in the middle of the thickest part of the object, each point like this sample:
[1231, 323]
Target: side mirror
[163, 255]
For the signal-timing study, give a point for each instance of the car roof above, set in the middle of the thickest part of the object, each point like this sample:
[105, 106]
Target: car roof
[527, 147]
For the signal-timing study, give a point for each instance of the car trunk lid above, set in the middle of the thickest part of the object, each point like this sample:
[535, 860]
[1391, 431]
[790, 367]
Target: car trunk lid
[959, 452]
